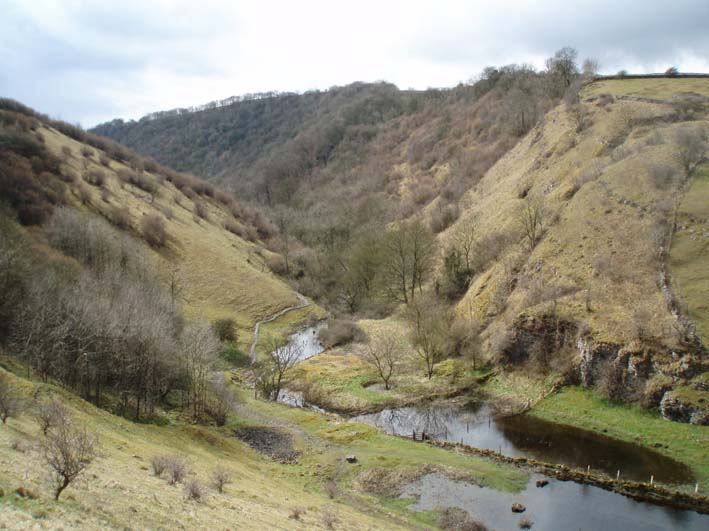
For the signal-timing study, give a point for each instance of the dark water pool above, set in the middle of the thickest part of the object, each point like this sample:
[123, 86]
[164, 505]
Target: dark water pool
[527, 436]
[560, 506]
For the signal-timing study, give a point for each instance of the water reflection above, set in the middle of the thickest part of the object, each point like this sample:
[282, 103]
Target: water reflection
[560, 506]
[307, 342]
[527, 436]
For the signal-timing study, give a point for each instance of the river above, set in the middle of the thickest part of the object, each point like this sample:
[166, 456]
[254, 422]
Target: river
[560, 506]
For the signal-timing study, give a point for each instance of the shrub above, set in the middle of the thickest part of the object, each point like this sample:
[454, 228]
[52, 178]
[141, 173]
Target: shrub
[341, 332]
[153, 228]
[235, 228]
[200, 210]
[159, 464]
[220, 477]
[329, 519]
[87, 152]
[11, 403]
[296, 512]
[662, 175]
[68, 450]
[442, 218]
[277, 264]
[66, 151]
[95, 177]
[194, 491]
[50, 413]
[225, 329]
[120, 217]
[104, 161]
[176, 467]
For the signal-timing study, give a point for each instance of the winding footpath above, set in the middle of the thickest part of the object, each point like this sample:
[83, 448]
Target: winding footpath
[303, 303]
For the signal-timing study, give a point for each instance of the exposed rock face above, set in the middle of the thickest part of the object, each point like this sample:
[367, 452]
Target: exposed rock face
[673, 408]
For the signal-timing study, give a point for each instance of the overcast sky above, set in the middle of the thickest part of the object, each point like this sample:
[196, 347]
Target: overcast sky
[91, 61]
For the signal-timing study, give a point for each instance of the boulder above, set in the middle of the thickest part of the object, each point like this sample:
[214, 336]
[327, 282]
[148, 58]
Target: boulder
[518, 508]
[351, 458]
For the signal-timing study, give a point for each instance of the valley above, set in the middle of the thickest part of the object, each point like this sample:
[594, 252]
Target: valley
[381, 309]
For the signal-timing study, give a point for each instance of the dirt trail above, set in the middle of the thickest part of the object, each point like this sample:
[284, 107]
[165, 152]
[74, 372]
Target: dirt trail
[303, 303]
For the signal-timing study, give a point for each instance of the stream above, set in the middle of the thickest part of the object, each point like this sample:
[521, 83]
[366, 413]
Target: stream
[560, 506]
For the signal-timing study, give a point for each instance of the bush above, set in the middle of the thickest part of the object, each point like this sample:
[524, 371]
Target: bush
[95, 177]
[200, 210]
[68, 450]
[159, 464]
[277, 264]
[104, 161]
[220, 477]
[442, 218]
[87, 152]
[176, 467]
[329, 519]
[194, 491]
[341, 332]
[11, 403]
[153, 228]
[225, 329]
[296, 512]
[50, 413]
[120, 217]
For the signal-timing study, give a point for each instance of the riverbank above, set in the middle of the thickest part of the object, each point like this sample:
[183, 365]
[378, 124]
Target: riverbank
[582, 408]
[340, 381]
[641, 491]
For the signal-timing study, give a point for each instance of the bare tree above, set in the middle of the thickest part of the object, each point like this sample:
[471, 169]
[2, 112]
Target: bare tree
[199, 352]
[222, 400]
[11, 402]
[220, 478]
[384, 352]
[271, 371]
[409, 249]
[531, 219]
[50, 413]
[691, 148]
[68, 450]
[464, 239]
[590, 67]
[430, 324]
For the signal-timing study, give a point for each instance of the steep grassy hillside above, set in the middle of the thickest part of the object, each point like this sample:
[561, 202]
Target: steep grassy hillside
[606, 179]
[215, 272]
[120, 488]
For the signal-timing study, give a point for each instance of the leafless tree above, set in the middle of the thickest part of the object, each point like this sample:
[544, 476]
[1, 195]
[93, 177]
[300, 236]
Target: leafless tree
[220, 478]
[590, 67]
[11, 402]
[273, 369]
[199, 348]
[531, 219]
[409, 249]
[464, 239]
[430, 324]
[385, 353]
[222, 400]
[51, 413]
[68, 450]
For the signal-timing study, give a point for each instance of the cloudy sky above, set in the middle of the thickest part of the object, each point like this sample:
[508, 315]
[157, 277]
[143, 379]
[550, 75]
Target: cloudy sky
[90, 61]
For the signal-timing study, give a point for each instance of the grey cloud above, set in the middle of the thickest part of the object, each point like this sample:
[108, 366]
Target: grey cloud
[90, 61]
